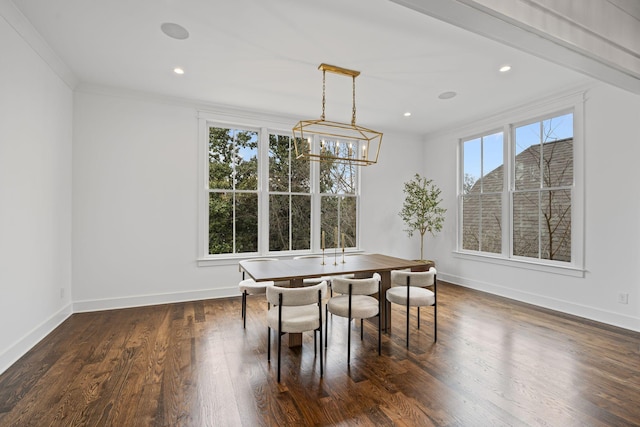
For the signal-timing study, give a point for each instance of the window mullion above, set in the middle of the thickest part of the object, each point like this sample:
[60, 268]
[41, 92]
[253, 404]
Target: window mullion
[263, 191]
[315, 198]
[508, 188]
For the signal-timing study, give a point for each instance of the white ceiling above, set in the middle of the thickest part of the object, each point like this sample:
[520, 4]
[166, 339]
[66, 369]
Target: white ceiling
[263, 55]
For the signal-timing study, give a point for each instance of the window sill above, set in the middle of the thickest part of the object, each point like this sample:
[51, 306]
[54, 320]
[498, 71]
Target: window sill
[232, 259]
[553, 268]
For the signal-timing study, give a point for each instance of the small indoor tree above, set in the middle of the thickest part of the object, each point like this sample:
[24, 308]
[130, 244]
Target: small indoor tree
[421, 209]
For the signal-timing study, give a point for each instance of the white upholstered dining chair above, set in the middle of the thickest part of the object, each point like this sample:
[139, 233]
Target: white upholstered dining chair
[356, 301]
[295, 310]
[408, 289]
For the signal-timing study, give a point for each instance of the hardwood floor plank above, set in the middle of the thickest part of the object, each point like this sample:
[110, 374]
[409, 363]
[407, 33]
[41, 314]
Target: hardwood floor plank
[497, 362]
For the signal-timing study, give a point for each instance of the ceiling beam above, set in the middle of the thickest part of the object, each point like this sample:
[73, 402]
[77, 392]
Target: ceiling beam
[546, 34]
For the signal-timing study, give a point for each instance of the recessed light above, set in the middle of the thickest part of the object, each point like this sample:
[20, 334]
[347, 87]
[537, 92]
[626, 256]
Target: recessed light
[174, 31]
[505, 68]
[447, 95]
[407, 114]
[178, 70]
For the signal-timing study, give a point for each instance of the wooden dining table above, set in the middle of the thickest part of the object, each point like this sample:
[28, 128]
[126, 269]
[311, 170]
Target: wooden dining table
[294, 271]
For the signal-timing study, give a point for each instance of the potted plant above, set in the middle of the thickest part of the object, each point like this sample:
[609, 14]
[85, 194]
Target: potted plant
[421, 209]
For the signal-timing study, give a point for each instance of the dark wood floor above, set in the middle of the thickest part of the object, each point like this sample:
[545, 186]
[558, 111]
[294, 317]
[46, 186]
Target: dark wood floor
[496, 363]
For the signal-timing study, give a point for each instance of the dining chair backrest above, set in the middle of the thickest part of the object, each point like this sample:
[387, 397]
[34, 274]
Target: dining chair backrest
[296, 296]
[358, 286]
[261, 259]
[416, 278]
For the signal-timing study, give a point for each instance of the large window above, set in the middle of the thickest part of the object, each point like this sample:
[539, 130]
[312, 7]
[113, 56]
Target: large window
[539, 166]
[261, 199]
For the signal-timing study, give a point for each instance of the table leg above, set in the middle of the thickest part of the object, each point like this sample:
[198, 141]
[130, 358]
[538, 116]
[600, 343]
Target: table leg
[386, 305]
[295, 340]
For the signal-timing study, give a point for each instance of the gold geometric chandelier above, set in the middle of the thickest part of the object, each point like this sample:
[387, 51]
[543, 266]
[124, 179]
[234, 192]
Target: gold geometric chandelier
[321, 140]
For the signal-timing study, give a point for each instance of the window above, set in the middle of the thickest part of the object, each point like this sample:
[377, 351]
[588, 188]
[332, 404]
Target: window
[539, 191]
[338, 191]
[261, 199]
[483, 185]
[289, 197]
[542, 182]
[233, 190]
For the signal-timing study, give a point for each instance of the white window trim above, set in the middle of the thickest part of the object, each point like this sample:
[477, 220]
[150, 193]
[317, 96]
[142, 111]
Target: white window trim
[572, 102]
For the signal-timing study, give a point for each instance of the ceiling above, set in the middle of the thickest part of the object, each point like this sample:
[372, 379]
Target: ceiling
[264, 55]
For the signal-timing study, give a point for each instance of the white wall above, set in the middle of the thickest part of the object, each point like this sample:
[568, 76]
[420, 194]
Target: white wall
[135, 165]
[35, 197]
[382, 197]
[612, 221]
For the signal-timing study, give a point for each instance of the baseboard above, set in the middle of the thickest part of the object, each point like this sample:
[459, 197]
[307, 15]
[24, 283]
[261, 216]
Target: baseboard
[26, 343]
[567, 307]
[153, 299]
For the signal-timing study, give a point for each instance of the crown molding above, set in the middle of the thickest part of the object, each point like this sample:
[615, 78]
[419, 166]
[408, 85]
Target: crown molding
[21, 25]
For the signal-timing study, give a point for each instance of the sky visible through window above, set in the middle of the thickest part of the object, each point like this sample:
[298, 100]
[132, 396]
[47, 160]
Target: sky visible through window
[553, 129]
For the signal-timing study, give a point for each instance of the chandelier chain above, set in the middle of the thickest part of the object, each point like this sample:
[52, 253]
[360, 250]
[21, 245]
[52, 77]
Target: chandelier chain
[324, 73]
[353, 117]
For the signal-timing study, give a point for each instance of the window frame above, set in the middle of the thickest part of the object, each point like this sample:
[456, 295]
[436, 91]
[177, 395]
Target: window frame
[507, 122]
[264, 126]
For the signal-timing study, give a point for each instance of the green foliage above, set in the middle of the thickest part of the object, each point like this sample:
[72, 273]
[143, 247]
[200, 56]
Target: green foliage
[421, 209]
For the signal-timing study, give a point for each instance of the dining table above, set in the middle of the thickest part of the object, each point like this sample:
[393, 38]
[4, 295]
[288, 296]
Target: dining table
[292, 272]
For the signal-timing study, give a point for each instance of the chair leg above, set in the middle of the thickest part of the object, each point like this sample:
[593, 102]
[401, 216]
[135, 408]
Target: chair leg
[244, 309]
[408, 313]
[380, 320]
[361, 330]
[418, 317]
[279, 351]
[349, 326]
[379, 332]
[320, 330]
[244, 293]
[349, 341]
[408, 306]
[321, 362]
[435, 322]
[279, 332]
[268, 344]
[326, 326]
